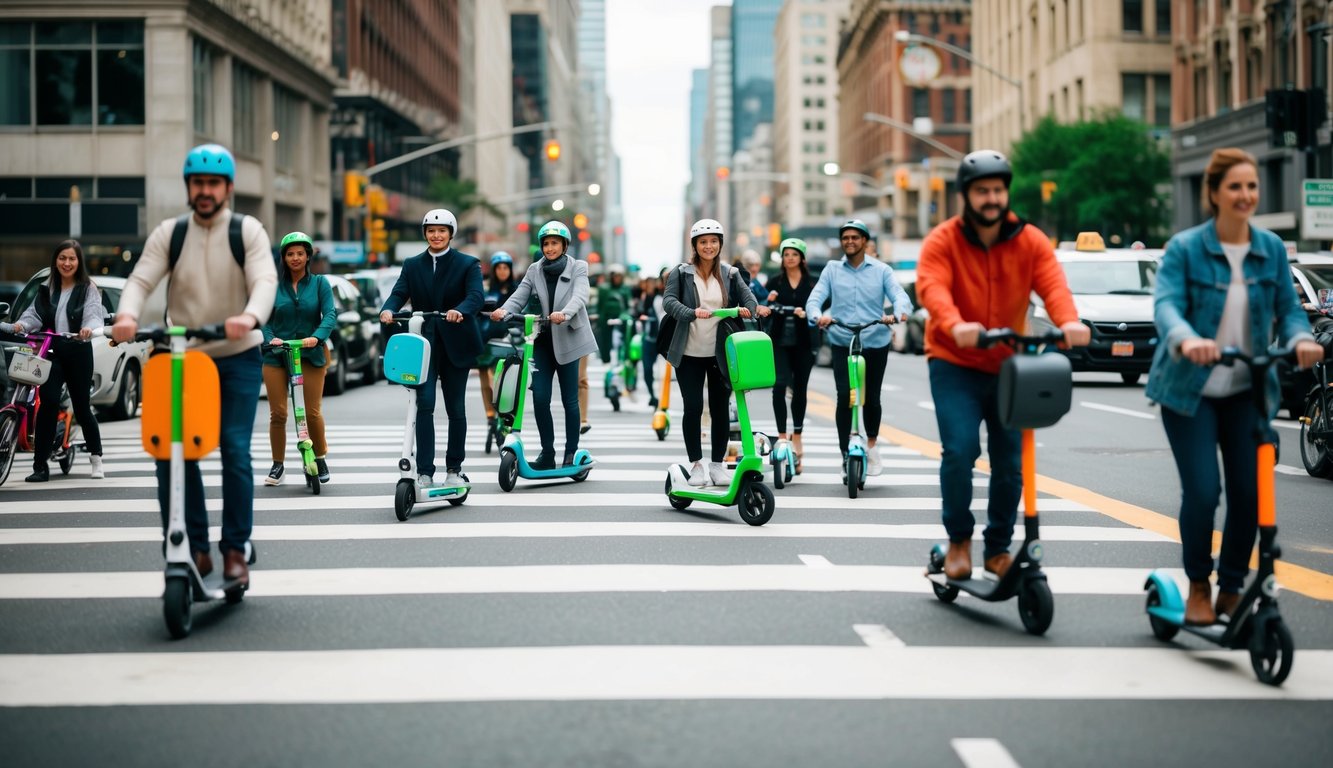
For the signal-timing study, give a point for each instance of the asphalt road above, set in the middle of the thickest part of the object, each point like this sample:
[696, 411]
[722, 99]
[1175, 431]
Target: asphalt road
[592, 625]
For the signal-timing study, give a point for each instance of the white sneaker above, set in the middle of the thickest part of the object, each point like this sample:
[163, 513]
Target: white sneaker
[873, 464]
[698, 478]
[454, 479]
[718, 474]
[425, 481]
[97, 472]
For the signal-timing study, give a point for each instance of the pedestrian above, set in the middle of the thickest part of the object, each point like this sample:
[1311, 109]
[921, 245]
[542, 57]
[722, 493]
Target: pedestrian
[67, 302]
[612, 304]
[499, 287]
[978, 270]
[303, 309]
[753, 266]
[211, 283]
[793, 352]
[648, 310]
[1224, 283]
[858, 289]
[442, 279]
[560, 284]
[693, 291]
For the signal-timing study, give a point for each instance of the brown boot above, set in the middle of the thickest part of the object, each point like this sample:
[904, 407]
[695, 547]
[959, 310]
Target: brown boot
[999, 564]
[203, 563]
[958, 560]
[234, 567]
[1226, 604]
[1198, 608]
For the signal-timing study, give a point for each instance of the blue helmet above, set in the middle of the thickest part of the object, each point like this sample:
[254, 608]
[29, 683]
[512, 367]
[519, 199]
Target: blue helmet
[500, 257]
[212, 159]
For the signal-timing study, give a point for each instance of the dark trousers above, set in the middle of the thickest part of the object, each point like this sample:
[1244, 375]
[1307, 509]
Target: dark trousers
[544, 370]
[72, 364]
[240, 376]
[965, 399]
[453, 382]
[793, 365]
[1225, 423]
[649, 357]
[871, 410]
[690, 376]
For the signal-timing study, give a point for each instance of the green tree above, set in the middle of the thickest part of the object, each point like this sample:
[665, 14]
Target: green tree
[1111, 176]
[459, 195]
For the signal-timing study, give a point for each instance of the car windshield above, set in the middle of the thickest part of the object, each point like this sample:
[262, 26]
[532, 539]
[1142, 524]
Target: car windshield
[1111, 277]
[1320, 277]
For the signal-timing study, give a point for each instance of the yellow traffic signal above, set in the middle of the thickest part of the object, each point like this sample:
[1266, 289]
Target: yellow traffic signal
[580, 221]
[379, 236]
[1047, 191]
[553, 149]
[376, 201]
[936, 183]
[354, 185]
[902, 178]
[774, 235]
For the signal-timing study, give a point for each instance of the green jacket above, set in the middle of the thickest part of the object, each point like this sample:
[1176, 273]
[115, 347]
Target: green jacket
[309, 311]
[612, 302]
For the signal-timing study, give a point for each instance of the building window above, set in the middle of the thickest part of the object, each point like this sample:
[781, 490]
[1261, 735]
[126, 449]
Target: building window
[72, 73]
[244, 84]
[16, 73]
[203, 88]
[1163, 9]
[1132, 15]
[1134, 96]
[120, 72]
[920, 102]
[953, 57]
[1200, 93]
[1161, 100]
[63, 70]
[950, 105]
[286, 127]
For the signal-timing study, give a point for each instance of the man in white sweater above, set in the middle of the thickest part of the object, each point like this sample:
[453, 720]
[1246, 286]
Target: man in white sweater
[225, 274]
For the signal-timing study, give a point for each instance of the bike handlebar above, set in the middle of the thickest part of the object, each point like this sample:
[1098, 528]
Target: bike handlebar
[783, 309]
[1232, 355]
[857, 328]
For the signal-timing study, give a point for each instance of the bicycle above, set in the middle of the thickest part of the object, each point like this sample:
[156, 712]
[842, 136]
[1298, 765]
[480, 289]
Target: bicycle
[1317, 425]
[29, 368]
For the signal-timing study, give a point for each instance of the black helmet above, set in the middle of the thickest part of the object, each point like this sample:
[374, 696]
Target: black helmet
[984, 164]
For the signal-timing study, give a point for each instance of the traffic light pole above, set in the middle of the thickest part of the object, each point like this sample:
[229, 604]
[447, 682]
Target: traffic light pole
[451, 143]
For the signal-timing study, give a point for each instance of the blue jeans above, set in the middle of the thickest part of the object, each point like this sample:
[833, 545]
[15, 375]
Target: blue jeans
[1226, 423]
[453, 382]
[964, 399]
[544, 370]
[240, 377]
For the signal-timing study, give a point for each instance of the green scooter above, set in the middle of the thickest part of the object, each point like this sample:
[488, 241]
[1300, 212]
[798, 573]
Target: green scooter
[291, 351]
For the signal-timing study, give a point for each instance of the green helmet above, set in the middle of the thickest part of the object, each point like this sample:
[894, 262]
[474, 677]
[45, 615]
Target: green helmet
[297, 237]
[856, 224]
[554, 228]
[793, 242]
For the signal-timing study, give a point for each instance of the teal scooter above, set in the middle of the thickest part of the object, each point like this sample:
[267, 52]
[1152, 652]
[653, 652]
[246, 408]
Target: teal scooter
[513, 461]
[749, 366]
[407, 362]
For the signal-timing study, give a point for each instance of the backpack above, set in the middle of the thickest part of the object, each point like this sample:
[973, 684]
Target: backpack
[178, 231]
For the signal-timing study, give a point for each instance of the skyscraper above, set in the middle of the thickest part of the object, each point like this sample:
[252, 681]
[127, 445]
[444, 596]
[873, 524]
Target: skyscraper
[752, 25]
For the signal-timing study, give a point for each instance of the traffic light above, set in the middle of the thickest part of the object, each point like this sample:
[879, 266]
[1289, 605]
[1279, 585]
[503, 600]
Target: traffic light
[379, 236]
[723, 172]
[354, 185]
[580, 221]
[553, 149]
[774, 235]
[584, 235]
[936, 183]
[377, 203]
[902, 178]
[1048, 188]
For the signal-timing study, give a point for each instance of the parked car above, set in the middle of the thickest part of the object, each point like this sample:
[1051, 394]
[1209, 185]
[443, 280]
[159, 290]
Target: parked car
[1113, 293]
[357, 341]
[9, 291]
[116, 370]
[1310, 273]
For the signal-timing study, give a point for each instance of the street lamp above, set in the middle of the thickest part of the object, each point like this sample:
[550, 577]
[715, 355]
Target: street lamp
[910, 131]
[558, 205]
[594, 189]
[904, 36]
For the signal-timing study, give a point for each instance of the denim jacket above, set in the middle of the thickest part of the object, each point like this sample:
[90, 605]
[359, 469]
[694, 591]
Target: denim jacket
[1192, 284]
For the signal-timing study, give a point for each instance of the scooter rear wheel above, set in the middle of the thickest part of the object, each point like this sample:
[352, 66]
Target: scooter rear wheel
[312, 482]
[1271, 651]
[457, 501]
[676, 501]
[662, 433]
[1161, 628]
[756, 504]
[1036, 606]
[508, 470]
[176, 600]
[404, 496]
[853, 475]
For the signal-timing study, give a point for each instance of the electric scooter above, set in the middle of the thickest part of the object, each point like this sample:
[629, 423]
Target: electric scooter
[1034, 391]
[291, 353]
[172, 432]
[407, 362]
[1256, 624]
[854, 464]
[507, 352]
[513, 461]
[749, 366]
[783, 455]
[661, 418]
[622, 375]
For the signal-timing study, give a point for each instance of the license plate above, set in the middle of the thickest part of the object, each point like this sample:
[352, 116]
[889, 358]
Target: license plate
[1122, 349]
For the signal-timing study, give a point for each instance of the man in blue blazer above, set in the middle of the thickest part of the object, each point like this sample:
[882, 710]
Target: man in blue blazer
[444, 280]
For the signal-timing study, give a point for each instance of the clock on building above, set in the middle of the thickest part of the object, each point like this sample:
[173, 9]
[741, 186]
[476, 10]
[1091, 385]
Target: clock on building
[919, 65]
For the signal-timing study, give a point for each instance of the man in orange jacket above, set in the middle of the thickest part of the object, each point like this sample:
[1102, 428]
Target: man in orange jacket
[977, 271]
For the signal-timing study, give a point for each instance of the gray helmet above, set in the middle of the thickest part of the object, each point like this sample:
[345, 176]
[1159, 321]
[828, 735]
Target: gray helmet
[856, 224]
[984, 164]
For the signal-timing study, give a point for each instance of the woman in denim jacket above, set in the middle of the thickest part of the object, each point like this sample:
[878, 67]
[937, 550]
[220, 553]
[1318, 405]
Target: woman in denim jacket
[1223, 283]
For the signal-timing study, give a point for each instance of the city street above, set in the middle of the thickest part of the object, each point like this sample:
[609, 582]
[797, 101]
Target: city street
[590, 624]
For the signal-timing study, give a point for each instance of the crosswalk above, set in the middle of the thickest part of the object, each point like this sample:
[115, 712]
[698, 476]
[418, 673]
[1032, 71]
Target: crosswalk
[638, 602]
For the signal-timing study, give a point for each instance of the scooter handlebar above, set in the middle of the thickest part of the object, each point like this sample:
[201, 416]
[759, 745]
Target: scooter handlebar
[857, 327]
[1009, 336]
[1233, 355]
[159, 333]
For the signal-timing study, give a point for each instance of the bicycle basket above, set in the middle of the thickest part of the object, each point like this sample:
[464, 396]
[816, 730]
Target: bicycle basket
[29, 369]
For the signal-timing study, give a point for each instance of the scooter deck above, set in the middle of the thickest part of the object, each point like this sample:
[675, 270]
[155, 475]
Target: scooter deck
[981, 588]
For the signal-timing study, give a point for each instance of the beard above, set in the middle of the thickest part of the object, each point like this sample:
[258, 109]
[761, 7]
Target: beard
[194, 206]
[988, 216]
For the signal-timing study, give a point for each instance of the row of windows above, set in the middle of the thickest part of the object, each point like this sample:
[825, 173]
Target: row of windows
[1147, 98]
[247, 134]
[948, 102]
[816, 103]
[1133, 14]
[813, 80]
[72, 73]
[58, 187]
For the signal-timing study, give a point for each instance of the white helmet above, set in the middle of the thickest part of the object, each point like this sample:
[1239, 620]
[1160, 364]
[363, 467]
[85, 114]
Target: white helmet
[706, 227]
[439, 217]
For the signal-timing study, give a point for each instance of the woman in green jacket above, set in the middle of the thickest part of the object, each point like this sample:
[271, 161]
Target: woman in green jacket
[302, 310]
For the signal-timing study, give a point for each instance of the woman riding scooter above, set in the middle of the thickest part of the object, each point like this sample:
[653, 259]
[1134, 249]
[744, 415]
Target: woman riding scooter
[499, 287]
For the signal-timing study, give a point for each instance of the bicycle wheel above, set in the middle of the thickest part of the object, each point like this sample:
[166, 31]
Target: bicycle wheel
[1315, 451]
[9, 442]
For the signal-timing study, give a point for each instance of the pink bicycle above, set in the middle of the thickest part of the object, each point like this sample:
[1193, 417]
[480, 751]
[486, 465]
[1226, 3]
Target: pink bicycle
[29, 369]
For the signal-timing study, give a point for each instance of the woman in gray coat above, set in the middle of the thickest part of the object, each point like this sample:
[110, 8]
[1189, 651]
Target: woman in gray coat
[560, 283]
[693, 291]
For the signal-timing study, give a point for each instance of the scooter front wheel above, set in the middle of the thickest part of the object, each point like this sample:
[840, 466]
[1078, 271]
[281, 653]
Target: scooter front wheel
[458, 500]
[312, 481]
[676, 501]
[662, 433]
[1271, 651]
[1161, 628]
[1036, 606]
[176, 600]
[756, 504]
[853, 475]
[508, 470]
[404, 496]
[779, 473]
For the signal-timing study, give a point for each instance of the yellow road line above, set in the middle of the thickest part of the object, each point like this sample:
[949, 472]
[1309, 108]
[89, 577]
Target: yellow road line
[1299, 579]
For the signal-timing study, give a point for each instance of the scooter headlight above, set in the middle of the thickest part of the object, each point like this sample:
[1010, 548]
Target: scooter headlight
[404, 465]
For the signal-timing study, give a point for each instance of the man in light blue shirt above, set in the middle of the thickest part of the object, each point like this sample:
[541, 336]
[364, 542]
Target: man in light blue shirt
[859, 289]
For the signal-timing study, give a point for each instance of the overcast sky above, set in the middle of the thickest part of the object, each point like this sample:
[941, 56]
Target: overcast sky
[651, 48]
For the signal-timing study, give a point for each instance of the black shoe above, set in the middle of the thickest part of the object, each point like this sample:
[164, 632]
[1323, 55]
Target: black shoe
[652, 402]
[569, 460]
[274, 474]
[544, 461]
[584, 427]
[38, 476]
[322, 468]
